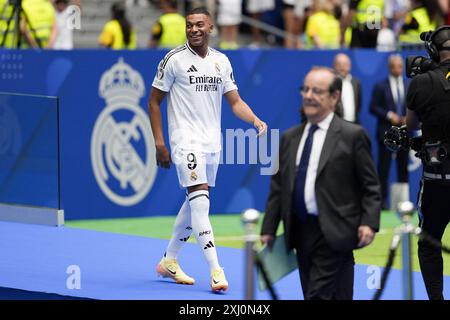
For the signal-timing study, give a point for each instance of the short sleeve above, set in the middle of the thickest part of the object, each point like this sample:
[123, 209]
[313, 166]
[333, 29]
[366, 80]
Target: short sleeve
[229, 82]
[312, 26]
[164, 77]
[106, 38]
[157, 31]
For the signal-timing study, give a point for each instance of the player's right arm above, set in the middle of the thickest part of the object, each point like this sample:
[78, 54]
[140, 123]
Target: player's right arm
[162, 84]
[162, 153]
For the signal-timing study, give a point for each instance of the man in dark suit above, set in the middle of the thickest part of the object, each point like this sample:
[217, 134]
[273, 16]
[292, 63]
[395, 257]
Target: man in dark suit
[326, 191]
[388, 105]
[351, 88]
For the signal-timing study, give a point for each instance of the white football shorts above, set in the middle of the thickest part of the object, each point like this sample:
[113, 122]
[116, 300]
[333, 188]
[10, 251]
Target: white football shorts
[196, 167]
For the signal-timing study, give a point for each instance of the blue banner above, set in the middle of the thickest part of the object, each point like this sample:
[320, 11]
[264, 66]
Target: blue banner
[107, 156]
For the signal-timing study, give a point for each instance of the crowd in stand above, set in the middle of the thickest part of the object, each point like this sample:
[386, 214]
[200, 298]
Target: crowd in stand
[305, 24]
[37, 23]
[326, 24]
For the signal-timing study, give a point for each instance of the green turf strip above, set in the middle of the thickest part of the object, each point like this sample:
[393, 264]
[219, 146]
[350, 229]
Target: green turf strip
[229, 232]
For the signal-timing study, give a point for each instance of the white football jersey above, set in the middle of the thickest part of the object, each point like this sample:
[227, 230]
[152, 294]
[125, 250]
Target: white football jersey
[195, 86]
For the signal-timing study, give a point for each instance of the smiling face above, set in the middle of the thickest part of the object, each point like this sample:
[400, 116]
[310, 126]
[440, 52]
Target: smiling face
[198, 29]
[318, 101]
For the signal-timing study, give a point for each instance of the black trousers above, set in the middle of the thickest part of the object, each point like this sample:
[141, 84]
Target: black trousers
[325, 274]
[384, 166]
[435, 216]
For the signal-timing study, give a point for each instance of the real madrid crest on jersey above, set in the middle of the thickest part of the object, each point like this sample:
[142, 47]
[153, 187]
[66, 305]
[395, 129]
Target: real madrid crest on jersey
[122, 144]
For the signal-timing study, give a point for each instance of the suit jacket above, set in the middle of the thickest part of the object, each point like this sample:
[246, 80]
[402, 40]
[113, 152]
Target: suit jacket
[382, 102]
[356, 84]
[347, 188]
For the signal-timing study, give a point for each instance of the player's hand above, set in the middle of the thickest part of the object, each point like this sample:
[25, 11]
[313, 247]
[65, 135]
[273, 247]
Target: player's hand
[365, 236]
[163, 159]
[261, 126]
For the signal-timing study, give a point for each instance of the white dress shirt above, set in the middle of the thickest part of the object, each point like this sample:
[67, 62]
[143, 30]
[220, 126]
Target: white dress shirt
[348, 99]
[316, 150]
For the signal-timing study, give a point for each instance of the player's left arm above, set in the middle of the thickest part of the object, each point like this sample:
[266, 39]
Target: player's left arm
[243, 111]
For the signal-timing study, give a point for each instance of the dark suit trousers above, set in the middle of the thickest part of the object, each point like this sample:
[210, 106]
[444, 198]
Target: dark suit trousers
[325, 274]
[384, 166]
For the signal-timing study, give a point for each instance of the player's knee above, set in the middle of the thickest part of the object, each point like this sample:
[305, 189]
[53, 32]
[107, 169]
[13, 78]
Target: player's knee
[199, 202]
[198, 187]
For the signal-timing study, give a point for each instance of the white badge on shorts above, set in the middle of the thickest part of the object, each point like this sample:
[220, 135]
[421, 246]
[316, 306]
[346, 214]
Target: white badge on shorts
[122, 144]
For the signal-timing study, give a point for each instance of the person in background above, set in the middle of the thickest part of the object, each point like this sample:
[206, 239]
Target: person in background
[388, 105]
[228, 19]
[169, 31]
[302, 11]
[41, 28]
[64, 36]
[386, 38]
[322, 28]
[290, 25]
[255, 8]
[395, 12]
[428, 110]
[364, 17]
[118, 32]
[351, 95]
[423, 17]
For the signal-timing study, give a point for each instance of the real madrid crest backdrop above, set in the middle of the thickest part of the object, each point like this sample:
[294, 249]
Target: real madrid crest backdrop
[107, 151]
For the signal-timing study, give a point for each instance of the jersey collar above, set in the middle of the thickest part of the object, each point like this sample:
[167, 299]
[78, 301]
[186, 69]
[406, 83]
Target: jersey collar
[195, 53]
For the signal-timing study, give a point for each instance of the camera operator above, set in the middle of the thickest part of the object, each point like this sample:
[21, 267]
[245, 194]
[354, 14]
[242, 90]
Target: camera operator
[428, 101]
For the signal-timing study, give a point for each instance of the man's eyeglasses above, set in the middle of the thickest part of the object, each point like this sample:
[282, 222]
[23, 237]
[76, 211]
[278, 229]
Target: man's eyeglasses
[316, 91]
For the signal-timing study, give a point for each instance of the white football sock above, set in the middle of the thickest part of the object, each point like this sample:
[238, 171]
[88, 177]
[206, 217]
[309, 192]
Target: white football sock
[201, 226]
[182, 230]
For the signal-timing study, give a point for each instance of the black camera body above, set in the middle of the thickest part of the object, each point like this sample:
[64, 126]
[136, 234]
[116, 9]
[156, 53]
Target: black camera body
[431, 153]
[396, 139]
[418, 64]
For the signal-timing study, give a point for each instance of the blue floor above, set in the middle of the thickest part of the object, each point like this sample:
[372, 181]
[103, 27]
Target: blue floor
[113, 266]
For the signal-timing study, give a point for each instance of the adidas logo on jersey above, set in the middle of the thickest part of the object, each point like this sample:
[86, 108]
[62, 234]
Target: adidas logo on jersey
[209, 245]
[192, 69]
